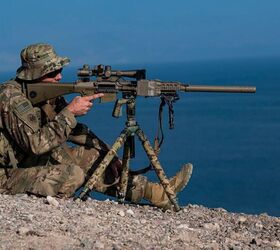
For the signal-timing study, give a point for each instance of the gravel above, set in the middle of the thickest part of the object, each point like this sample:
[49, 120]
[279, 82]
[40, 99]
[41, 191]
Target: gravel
[29, 222]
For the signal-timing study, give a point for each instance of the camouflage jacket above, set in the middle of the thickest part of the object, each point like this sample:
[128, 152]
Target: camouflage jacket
[22, 130]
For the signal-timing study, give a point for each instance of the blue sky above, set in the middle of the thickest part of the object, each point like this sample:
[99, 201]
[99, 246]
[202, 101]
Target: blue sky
[146, 31]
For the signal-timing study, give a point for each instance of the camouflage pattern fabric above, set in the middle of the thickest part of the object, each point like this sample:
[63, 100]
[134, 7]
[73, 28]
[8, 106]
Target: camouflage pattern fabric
[58, 179]
[41, 180]
[30, 141]
[21, 123]
[47, 165]
[38, 60]
[42, 161]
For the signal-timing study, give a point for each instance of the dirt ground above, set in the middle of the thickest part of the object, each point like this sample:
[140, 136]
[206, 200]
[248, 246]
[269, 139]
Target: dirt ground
[28, 222]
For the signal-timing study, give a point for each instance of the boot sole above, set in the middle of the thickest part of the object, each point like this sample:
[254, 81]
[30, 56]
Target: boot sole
[188, 169]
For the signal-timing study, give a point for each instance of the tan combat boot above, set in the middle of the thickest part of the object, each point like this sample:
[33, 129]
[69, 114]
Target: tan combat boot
[155, 193]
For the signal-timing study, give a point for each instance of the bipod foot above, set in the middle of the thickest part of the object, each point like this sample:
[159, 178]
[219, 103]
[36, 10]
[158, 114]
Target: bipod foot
[121, 198]
[83, 195]
[176, 207]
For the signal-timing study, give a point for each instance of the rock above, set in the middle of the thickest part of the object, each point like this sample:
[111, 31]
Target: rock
[143, 221]
[193, 206]
[211, 226]
[241, 219]
[99, 245]
[233, 244]
[183, 226]
[220, 209]
[214, 246]
[185, 210]
[121, 213]
[52, 201]
[187, 237]
[23, 231]
[129, 211]
[253, 241]
[27, 223]
[276, 244]
[30, 217]
[236, 236]
[259, 225]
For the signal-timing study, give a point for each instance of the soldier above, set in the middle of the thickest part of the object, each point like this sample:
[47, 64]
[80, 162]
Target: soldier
[34, 155]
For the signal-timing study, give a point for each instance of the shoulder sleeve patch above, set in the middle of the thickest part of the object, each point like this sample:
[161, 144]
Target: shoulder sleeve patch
[27, 114]
[23, 106]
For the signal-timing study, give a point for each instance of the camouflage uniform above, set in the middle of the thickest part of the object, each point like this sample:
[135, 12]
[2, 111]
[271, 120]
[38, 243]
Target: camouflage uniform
[37, 137]
[34, 154]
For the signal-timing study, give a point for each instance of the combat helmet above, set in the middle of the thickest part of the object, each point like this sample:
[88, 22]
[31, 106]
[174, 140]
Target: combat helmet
[38, 60]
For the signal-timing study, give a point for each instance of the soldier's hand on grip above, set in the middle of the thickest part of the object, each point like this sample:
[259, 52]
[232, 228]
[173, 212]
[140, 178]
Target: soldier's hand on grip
[81, 105]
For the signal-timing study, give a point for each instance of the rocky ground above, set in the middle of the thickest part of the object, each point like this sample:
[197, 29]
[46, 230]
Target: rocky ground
[28, 222]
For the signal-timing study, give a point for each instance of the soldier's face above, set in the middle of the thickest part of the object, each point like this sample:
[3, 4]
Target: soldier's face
[54, 77]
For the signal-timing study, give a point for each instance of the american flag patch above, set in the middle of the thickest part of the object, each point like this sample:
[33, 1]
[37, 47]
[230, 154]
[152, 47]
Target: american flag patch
[23, 107]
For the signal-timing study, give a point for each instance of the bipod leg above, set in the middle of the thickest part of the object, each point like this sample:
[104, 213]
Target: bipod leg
[158, 169]
[125, 171]
[98, 173]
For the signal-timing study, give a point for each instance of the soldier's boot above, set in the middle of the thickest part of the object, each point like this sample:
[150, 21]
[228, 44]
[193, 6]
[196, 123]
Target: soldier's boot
[140, 188]
[154, 192]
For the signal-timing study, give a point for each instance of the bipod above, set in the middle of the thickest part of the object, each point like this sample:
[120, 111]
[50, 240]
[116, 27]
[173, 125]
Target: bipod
[126, 138]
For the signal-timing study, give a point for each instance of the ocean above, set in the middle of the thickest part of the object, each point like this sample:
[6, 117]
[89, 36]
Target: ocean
[233, 140]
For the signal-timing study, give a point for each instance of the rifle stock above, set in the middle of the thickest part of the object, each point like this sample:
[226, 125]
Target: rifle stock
[40, 92]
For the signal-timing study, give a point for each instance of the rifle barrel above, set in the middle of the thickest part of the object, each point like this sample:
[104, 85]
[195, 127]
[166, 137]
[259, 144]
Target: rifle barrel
[225, 89]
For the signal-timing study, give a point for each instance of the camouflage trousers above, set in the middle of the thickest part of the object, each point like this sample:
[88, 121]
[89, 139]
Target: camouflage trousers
[60, 175]
[62, 178]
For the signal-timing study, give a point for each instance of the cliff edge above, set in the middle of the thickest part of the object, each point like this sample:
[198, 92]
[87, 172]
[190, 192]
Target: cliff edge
[28, 222]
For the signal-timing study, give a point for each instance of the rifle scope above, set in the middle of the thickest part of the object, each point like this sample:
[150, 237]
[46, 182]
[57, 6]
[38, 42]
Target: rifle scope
[105, 72]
